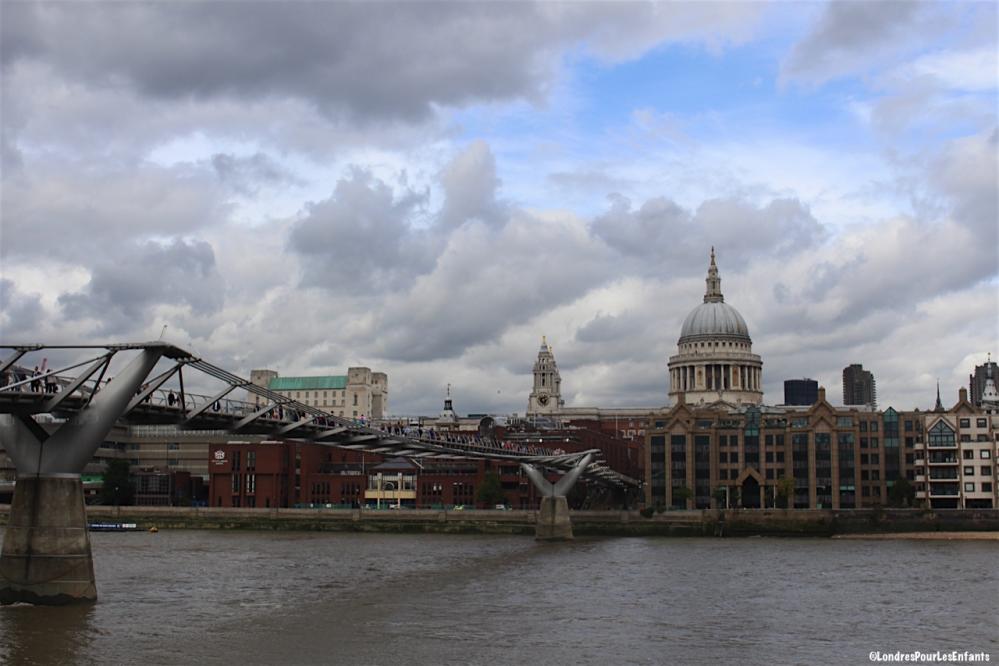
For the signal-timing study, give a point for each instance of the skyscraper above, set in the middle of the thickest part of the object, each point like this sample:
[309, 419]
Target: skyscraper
[801, 391]
[976, 381]
[858, 386]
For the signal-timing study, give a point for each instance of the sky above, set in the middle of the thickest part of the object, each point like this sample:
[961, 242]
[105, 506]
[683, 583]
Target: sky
[428, 188]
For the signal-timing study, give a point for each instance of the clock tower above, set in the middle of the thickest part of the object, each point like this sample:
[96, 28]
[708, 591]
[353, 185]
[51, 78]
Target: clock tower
[546, 396]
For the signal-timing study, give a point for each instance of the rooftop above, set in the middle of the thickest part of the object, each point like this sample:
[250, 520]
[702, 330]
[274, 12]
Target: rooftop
[308, 383]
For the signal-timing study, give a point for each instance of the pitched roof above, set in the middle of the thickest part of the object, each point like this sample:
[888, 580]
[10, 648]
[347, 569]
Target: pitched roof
[308, 383]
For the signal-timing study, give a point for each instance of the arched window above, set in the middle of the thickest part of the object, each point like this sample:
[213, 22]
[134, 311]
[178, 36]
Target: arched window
[941, 434]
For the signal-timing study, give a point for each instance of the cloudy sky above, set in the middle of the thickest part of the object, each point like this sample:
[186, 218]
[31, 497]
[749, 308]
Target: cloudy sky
[427, 189]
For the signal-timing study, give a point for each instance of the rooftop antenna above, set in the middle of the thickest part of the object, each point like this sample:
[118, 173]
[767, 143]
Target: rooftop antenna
[163, 331]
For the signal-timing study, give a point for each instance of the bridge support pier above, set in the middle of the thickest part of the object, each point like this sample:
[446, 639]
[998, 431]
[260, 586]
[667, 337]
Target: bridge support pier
[553, 522]
[46, 556]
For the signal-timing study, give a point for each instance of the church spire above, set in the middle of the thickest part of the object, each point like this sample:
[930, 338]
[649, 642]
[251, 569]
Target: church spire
[713, 292]
[939, 406]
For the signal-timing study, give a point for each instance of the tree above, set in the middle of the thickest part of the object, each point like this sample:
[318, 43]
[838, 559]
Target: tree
[720, 494]
[117, 489]
[682, 494]
[785, 488]
[491, 492]
[902, 494]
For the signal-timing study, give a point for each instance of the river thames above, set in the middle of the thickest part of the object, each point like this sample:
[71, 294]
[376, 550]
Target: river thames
[212, 597]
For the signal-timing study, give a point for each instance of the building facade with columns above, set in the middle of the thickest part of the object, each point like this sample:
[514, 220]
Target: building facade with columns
[715, 360]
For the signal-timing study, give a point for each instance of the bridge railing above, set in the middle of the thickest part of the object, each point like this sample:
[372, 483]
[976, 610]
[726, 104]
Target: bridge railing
[289, 418]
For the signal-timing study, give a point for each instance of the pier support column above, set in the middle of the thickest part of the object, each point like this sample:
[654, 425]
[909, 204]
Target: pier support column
[46, 556]
[553, 522]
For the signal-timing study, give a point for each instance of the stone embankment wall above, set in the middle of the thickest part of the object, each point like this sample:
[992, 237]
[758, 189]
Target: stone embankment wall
[771, 522]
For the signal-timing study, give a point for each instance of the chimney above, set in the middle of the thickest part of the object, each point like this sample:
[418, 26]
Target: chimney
[822, 394]
[962, 395]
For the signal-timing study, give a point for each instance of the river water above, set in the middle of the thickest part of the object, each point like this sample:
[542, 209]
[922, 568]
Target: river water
[212, 597]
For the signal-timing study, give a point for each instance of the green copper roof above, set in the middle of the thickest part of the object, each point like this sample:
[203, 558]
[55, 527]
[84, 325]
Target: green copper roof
[308, 383]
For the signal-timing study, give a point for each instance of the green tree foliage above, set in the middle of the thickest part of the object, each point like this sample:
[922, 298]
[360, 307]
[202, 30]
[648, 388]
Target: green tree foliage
[118, 488]
[902, 494]
[682, 494]
[785, 488]
[490, 493]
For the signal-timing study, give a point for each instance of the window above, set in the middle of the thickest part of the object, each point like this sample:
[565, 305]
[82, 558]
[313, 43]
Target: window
[987, 487]
[964, 423]
[173, 446]
[986, 470]
[981, 423]
[874, 426]
[969, 487]
[235, 483]
[985, 454]
[355, 402]
[969, 470]
[723, 457]
[969, 454]
[735, 456]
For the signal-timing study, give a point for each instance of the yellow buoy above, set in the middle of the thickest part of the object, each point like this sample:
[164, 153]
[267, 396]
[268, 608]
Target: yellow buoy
[154, 529]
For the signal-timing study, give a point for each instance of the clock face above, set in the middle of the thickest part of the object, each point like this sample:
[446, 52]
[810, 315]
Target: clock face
[543, 400]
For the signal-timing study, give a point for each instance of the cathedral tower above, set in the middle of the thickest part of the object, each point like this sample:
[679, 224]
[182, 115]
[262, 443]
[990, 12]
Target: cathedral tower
[546, 396]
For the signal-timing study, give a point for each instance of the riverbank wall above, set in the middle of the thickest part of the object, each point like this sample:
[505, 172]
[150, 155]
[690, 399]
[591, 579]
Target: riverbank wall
[746, 522]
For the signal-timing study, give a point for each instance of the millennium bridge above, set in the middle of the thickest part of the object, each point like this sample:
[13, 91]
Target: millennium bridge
[52, 421]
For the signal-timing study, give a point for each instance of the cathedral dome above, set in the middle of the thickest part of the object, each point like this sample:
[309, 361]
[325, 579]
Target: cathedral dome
[714, 319]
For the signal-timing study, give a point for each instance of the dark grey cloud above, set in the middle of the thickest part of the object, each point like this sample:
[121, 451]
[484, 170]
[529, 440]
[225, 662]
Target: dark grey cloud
[121, 293]
[850, 35]
[664, 236]
[366, 238]
[247, 174]
[20, 313]
[470, 187]
[79, 212]
[362, 239]
[604, 328]
[486, 281]
[368, 61]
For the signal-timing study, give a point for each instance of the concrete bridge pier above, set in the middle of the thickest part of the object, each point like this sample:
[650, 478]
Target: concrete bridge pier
[46, 556]
[46, 548]
[553, 522]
